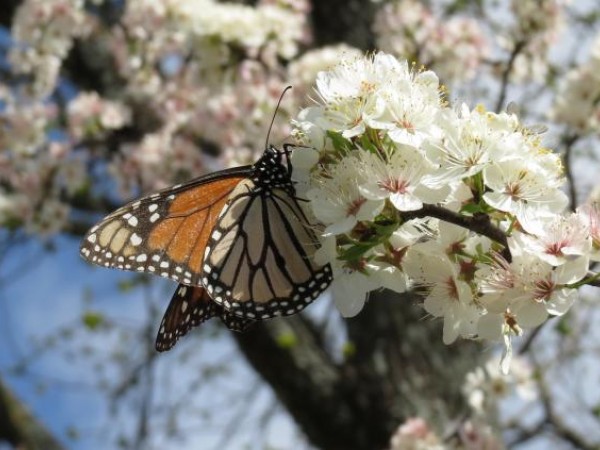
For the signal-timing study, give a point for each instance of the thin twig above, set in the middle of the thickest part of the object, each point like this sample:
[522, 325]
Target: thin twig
[519, 46]
[530, 338]
[568, 142]
[561, 429]
[235, 421]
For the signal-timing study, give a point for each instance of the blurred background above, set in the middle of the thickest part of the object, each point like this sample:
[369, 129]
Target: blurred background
[102, 101]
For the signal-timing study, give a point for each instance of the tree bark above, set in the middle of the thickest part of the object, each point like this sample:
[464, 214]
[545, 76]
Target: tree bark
[20, 428]
[7, 11]
[347, 21]
[399, 368]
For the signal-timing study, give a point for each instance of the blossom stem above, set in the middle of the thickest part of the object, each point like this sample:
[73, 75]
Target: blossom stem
[591, 279]
[479, 223]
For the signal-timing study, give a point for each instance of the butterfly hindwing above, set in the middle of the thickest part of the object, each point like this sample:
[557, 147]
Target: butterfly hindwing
[189, 307]
[165, 233]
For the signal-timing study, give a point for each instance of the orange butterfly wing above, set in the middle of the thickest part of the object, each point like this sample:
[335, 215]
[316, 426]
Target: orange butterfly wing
[164, 233]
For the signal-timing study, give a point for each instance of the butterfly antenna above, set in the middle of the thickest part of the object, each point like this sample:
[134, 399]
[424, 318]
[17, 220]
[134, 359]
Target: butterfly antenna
[275, 114]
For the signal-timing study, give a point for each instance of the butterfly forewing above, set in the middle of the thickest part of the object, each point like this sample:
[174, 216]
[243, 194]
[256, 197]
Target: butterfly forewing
[165, 233]
[188, 308]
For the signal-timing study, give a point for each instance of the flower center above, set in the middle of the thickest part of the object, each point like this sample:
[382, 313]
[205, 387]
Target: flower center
[354, 206]
[395, 185]
[452, 289]
[543, 290]
[406, 124]
[514, 190]
[556, 248]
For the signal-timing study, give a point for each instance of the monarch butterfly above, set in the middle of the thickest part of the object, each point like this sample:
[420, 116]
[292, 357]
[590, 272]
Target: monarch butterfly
[237, 237]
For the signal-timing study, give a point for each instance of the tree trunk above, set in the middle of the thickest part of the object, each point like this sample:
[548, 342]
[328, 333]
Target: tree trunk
[20, 428]
[398, 368]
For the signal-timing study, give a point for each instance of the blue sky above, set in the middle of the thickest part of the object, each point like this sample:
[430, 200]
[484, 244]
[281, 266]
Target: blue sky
[59, 383]
[50, 296]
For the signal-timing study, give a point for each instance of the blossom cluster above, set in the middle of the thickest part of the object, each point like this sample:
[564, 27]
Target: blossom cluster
[182, 74]
[464, 203]
[416, 434]
[43, 31]
[218, 80]
[459, 47]
[576, 103]
[89, 115]
[36, 174]
[537, 27]
[210, 34]
[454, 47]
[487, 386]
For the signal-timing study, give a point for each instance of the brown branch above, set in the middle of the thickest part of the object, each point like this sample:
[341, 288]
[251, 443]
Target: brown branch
[20, 428]
[352, 24]
[524, 348]
[523, 435]
[479, 223]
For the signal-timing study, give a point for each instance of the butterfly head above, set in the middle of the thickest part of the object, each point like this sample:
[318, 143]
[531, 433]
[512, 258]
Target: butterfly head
[270, 172]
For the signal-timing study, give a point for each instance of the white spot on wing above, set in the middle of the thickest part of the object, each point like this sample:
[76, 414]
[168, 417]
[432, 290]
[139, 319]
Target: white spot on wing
[135, 239]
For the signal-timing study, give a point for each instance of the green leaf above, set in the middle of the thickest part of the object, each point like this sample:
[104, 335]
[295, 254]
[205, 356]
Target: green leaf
[286, 340]
[133, 282]
[367, 144]
[92, 320]
[471, 208]
[349, 349]
[356, 251]
[385, 229]
[340, 143]
[563, 326]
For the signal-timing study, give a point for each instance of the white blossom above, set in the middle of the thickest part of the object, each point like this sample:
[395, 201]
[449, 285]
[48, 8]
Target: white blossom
[448, 296]
[398, 176]
[337, 201]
